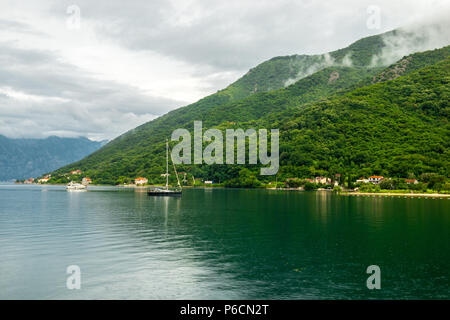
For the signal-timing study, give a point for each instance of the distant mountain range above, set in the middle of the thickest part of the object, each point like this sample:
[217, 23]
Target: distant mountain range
[357, 111]
[25, 158]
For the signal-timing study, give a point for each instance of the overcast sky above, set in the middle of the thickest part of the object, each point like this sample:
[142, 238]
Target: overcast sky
[126, 62]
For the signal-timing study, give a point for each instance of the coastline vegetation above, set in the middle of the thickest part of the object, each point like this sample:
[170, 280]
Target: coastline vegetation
[390, 124]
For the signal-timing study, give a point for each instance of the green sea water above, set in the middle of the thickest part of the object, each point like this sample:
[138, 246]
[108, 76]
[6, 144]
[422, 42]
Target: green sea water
[220, 244]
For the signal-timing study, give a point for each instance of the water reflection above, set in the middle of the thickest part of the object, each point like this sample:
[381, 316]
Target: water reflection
[220, 244]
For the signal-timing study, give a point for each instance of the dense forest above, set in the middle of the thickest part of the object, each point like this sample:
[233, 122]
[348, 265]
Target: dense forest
[348, 119]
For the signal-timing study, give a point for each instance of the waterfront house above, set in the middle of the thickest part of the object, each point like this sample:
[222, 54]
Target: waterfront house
[29, 181]
[140, 181]
[86, 181]
[411, 181]
[43, 180]
[208, 182]
[362, 180]
[375, 179]
[322, 180]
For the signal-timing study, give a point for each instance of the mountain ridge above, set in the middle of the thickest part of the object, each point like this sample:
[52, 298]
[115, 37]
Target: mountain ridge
[25, 158]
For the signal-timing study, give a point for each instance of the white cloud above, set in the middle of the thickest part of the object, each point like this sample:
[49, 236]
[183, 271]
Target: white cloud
[21, 96]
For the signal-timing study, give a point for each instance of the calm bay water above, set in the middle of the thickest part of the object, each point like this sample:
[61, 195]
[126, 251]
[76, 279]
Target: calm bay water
[220, 244]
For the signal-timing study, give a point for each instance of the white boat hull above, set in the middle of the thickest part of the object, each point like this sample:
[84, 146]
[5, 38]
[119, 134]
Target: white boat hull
[76, 187]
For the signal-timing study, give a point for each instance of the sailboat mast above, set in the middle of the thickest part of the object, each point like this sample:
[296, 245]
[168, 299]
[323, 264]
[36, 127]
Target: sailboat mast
[167, 164]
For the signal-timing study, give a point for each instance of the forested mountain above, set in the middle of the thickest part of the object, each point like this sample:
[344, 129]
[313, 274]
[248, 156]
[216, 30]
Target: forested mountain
[336, 117]
[396, 128]
[25, 158]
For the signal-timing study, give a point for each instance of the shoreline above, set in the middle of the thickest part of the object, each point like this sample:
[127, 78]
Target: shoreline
[343, 193]
[393, 194]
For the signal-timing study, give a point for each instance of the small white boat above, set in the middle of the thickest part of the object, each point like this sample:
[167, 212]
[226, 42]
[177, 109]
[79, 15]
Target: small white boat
[73, 186]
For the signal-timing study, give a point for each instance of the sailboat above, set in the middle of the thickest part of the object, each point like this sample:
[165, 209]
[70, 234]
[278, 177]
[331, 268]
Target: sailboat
[166, 191]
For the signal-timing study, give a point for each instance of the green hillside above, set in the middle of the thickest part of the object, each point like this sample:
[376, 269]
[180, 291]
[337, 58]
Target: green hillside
[396, 128]
[412, 63]
[140, 152]
[305, 150]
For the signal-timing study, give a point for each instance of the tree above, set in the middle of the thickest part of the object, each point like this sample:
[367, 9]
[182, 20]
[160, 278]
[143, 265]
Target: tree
[309, 186]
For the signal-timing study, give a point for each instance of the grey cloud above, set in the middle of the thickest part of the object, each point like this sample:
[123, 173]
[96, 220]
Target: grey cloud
[232, 35]
[425, 35]
[323, 61]
[19, 27]
[237, 35]
[67, 99]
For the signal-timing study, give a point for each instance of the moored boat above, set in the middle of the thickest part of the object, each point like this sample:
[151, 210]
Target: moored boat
[166, 192]
[73, 186]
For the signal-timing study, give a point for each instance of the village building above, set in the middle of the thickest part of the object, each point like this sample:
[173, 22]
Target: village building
[322, 180]
[140, 181]
[362, 180]
[375, 179]
[411, 181]
[75, 172]
[208, 182]
[86, 181]
[29, 181]
[44, 180]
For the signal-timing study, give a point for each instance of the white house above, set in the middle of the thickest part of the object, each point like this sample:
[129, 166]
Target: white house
[375, 179]
[362, 180]
[322, 180]
[208, 182]
[140, 181]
